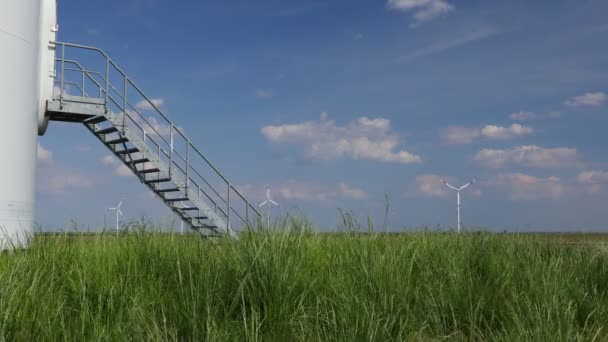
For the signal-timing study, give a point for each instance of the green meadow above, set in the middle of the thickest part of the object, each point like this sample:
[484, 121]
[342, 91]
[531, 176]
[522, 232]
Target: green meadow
[293, 284]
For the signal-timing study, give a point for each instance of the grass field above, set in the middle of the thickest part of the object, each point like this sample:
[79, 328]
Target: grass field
[298, 285]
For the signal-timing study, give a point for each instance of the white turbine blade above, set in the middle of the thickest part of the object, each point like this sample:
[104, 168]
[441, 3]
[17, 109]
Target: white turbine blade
[119, 205]
[119, 212]
[263, 204]
[464, 186]
[450, 186]
[273, 202]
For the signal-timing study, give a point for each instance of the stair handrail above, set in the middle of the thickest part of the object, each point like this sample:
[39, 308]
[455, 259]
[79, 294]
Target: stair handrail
[106, 90]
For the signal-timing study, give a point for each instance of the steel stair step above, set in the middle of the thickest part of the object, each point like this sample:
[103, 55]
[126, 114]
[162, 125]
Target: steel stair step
[139, 161]
[159, 180]
[148, 171]
[128, 151]
[117, 141]
[96, 120]
[184, 199]
[186, 209]
[168, 190]
[107, 130]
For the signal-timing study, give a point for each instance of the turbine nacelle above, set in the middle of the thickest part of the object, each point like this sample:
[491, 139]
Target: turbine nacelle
[268, 200]
[268, 203]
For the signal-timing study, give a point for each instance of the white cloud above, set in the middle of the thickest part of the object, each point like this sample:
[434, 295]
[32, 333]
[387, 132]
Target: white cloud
[466, 135]
[120, 169]
[593, 179]
[56, 179]
[424, 10]
[530, 155]
[264, 93]
[44, 155]
[450, 43]
[67, 90]
[155, 127]
[459, 134]
[144, 105]
[589, 99]
[498, 132]
[363, 139]
[304, 191]
[348, 191]
[160, 128]
[92, 32]
[525, 187]
[299, 191]
[431, 186]
[523, 116]
[109, 160]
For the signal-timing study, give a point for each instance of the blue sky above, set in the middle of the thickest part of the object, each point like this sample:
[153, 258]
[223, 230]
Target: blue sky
[337, 103]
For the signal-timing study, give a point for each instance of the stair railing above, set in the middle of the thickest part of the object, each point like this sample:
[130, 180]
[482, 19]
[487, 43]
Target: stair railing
[179, 162]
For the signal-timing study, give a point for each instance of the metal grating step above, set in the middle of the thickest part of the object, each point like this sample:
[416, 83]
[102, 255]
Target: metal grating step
[168, 190]
[128, 151]
[183, 199]
[117, 141]
[160, 180]
[186, 209]
[96, 120]
[139, 161]
[107, 130]
[148, 171]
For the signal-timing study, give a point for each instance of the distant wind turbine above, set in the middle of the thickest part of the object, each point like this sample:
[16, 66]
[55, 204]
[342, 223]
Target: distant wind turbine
[458, 190]
[118, 214]
[268, 203]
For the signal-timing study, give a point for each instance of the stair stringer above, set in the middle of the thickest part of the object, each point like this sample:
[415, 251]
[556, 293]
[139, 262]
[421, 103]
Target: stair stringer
[213, 222]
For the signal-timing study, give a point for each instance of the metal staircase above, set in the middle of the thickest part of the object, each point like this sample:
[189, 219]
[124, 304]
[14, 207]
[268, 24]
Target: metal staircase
[91, 89]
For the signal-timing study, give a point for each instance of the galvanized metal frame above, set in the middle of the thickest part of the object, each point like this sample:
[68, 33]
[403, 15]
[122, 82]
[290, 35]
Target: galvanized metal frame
[130, 113]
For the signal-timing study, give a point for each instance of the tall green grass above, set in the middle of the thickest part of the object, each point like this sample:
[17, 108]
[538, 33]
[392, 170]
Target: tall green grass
[293, 284]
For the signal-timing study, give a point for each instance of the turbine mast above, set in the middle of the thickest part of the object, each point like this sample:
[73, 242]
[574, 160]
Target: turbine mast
[458, 190]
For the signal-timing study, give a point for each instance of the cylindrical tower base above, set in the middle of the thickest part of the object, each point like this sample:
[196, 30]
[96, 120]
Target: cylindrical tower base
[19, 99]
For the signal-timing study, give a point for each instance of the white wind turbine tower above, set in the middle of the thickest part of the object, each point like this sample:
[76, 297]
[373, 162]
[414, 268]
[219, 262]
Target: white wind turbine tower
[458, 190]
[268, 203]
[118, 214]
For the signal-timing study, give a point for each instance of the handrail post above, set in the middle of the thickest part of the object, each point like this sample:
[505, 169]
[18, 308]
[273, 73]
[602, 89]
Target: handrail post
[124, 110]
[171, 151]
[247, 212]
[107, 81]
[143, 154]
[228, 211]
[62, 75]
[187, 167]
[84, 93]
